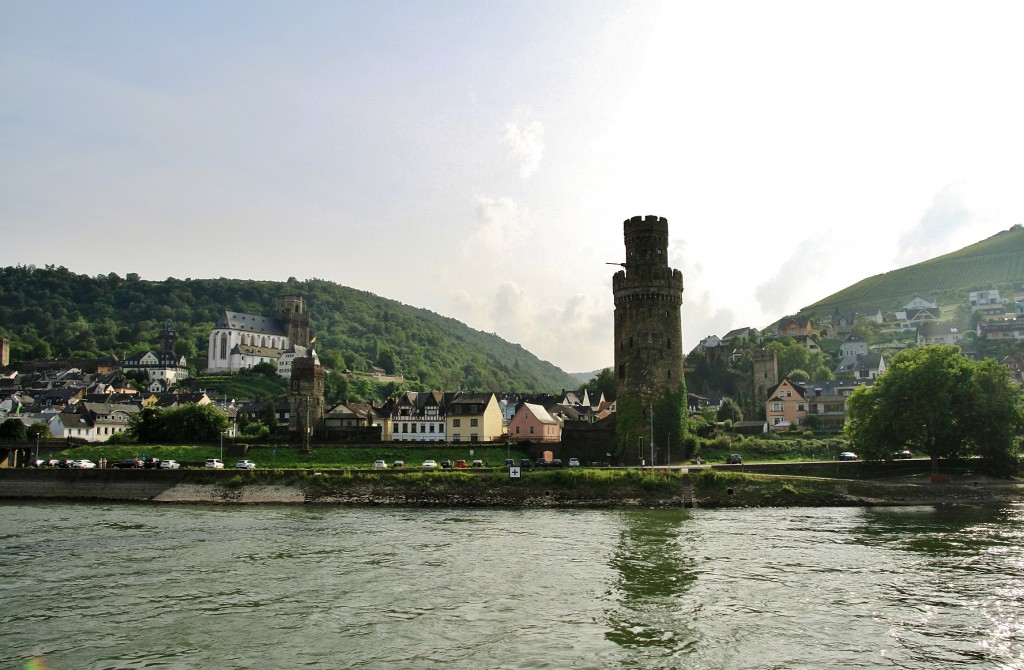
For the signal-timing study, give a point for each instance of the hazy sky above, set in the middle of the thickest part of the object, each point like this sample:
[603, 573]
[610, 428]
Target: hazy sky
[478, 158]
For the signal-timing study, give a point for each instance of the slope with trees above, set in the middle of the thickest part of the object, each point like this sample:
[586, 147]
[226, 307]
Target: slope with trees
[51, 312]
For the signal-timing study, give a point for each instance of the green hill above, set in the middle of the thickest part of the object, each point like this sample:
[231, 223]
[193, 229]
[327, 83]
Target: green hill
[995, 263]
[50, 313]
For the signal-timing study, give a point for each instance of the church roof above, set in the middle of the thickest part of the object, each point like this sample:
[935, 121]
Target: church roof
[252, 323]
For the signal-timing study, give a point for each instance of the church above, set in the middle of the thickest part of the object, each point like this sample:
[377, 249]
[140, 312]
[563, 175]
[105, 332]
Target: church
[240, 341]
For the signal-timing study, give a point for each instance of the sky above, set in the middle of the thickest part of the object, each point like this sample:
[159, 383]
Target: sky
[478, 158]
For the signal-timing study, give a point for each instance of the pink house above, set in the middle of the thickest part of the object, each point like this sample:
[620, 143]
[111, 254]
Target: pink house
[533, 422]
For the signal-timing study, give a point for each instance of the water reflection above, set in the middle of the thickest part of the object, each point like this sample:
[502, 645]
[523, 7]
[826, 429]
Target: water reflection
[654, 575]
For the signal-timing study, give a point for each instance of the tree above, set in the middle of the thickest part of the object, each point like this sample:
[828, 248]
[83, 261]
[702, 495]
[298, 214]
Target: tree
[602, 382]
[730, 411]
[12, 430]
[934, 400]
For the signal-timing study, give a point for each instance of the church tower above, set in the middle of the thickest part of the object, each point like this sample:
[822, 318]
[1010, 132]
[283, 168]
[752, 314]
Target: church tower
[168, 338]
[292, 314]
[648, 343]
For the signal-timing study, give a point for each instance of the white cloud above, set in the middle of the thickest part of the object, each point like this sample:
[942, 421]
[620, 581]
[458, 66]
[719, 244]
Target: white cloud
[946, 217]
[524, 137]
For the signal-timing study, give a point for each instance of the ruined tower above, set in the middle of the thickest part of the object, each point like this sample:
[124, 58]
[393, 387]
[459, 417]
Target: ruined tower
[648, 340]
[292, 314]
[306, 397]
[765, 377]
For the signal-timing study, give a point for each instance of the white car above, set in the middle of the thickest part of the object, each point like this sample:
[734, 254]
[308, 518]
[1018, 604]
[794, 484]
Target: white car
[245, 465]
[574, 462]
[169, 465]
[429, 464]
[214, 463]
[84, 463]
[380, 465]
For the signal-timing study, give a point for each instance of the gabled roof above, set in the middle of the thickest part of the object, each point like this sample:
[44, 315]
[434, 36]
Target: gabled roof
[252, 323]
[538, 411]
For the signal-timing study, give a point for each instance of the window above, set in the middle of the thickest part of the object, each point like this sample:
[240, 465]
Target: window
[473, 423]
[801, 407]
[517, 430]
[776, 406]
[456, 438]
[456, 423]
[531, 430]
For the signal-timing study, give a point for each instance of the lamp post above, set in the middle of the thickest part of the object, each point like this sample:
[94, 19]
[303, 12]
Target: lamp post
[222, 446]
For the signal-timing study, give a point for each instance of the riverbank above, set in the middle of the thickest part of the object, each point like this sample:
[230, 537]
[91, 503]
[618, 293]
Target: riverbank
[582, 488]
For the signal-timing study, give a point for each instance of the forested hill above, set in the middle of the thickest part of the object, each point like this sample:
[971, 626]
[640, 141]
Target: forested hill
[995, 263]
[51, 312]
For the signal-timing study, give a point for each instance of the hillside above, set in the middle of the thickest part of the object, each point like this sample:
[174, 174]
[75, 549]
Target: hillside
[994, 263]
[51, 312]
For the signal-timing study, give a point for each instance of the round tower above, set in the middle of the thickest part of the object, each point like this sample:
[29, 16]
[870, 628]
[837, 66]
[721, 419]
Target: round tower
[292, 314]
[648, 338]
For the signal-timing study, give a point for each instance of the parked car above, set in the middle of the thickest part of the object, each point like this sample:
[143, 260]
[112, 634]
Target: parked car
[245, 465]
[556, 463]
[380, 465]
[903, 454]
[214, 463]
[84, 464]
[430, 464]
[734, 459]
[169, 464]
[461, 463]
[541, 462]
[479, 464]
[128, 463]
[54, 463]
[847, 456]
[510, 462]
[151, 463]
[526, 464]
[446, 465]
[398, 464]
[574, 462]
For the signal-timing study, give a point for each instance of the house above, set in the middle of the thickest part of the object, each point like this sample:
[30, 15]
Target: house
[93, 422]
[287, 357]
[796, 325]
[934, 333]
[709, 343]
[826, 401]
[808, 342]
[748, 333]
[793, 405]
[867, 366]
[533, 422]
[917, 302]
[352, 422]
[990, 297]
[474, 417]
[1002, 329]
[921, 315]
[162, 365]
[786, 406]
[415, 417]
[852, 347]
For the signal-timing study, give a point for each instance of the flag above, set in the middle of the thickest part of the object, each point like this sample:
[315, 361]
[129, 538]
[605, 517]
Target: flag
[313, 341]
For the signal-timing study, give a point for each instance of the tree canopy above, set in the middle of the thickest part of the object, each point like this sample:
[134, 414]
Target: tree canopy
[936, 401]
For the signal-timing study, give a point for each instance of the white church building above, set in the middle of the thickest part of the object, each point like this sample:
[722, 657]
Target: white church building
[240, 341]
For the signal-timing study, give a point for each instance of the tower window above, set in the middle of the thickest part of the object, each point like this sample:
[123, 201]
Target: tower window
[622, 372]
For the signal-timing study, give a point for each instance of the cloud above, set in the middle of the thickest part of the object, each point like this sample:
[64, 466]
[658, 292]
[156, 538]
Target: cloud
[947, 216]
[524, 137]
[798, 278]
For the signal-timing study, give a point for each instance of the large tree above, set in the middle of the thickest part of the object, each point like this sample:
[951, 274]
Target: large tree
[936, 401]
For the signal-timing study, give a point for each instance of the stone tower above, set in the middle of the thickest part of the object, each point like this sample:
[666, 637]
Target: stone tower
[765, 378]
[306, 396]
[648, 337]
[292, 314]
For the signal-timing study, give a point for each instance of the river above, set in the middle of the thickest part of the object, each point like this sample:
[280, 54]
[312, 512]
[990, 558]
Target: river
[104, 586]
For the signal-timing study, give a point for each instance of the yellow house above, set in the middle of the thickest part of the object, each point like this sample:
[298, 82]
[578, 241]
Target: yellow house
[474, 417]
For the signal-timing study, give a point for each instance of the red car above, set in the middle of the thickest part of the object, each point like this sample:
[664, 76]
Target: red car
[461, 464]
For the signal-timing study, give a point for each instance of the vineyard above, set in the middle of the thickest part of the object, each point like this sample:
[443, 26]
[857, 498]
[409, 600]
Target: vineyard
[995, 263]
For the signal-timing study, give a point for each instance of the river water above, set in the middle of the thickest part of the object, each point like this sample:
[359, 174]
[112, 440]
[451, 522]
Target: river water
[90, 586]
